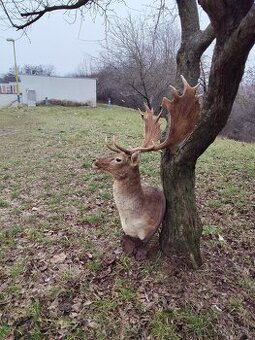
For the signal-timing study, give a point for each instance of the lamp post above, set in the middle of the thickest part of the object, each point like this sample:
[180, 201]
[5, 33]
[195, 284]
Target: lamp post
[15, 67]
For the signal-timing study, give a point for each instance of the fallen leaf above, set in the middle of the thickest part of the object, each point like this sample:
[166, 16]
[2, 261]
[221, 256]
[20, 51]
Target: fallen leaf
[221, 239]
[89, 255]
[59, 258]
[108, 259]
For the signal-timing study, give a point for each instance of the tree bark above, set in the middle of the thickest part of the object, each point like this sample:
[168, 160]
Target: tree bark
[182, 228]
[193, 43]
[233, 22]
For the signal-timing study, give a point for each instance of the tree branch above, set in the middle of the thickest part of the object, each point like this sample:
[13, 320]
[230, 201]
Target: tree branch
[189, 17]
[47, 9]
[230, 54]
[194, 42]
[34, 16]
[204, 39]
[245, 33]
[145, 96]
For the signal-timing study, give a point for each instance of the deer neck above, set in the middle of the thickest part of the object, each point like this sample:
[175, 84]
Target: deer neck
[128, 189]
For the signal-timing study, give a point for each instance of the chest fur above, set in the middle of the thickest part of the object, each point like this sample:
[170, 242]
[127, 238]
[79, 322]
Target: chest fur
[130, 206]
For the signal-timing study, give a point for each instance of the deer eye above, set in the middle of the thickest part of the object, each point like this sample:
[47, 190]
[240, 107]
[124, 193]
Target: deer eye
[118, 160]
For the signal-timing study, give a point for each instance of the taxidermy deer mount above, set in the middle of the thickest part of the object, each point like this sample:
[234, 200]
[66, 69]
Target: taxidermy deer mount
[141, 207]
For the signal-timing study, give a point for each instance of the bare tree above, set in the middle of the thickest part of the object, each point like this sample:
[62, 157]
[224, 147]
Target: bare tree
[9, 76]
[46, 70]
[233, 26]
[141, 61]
[241, 123]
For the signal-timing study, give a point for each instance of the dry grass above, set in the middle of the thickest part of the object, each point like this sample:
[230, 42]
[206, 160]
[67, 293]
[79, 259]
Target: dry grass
[62, 271]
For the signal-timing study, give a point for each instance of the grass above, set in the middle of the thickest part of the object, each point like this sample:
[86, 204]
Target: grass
[3, 203]
[5, 330]
[62, 270]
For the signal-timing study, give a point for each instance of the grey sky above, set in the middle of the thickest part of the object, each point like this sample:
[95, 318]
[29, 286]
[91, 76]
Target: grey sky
[53, 40]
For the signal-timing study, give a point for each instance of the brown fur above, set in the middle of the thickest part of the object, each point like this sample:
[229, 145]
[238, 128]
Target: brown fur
[141, 208]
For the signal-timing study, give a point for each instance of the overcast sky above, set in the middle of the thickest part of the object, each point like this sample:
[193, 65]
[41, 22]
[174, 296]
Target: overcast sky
[55, 41]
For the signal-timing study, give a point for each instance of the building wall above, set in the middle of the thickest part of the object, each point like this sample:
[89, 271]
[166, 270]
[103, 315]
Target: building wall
[81, 90]
[7, 99]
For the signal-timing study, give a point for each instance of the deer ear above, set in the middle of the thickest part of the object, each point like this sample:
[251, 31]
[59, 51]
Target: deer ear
[135, 158]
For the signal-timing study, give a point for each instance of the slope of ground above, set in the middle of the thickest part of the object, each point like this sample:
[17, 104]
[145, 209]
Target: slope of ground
[62, 271]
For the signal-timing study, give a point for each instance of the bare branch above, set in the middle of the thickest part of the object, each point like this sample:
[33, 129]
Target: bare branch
[194, 42]
[42, 8]
[204, 39]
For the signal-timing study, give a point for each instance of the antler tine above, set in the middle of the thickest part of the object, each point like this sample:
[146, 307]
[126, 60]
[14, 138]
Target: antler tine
[127, 151]
[175, 92]
[147, 109]
[151, 132]
[185, 84]
[159, 115]
[110, 147]
[187, 87]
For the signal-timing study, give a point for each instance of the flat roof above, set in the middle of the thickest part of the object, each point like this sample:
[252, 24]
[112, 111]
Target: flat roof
[43, 75]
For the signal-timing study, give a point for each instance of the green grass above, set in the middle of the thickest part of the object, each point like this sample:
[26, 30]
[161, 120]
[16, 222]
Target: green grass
[162, 326]
[197, 325]
[3, 203]
[59, 224]
[17, 269]
[4, 332]
[211, 230]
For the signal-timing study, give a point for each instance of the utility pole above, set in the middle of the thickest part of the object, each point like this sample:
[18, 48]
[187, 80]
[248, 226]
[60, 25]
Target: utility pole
[15, 67]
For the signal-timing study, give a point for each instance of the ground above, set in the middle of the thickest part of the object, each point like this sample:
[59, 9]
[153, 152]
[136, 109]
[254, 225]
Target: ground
[62, 271]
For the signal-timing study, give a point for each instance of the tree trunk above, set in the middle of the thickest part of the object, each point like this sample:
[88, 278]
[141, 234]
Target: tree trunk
[182, 228]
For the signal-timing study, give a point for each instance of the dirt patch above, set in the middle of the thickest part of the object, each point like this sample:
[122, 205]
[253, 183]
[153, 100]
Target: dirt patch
[7, 132]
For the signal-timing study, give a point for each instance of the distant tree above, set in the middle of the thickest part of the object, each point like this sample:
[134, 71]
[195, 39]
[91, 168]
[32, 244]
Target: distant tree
[241, 123]
[8, 77]
[85, 69]
[46, 70]
[138, 63]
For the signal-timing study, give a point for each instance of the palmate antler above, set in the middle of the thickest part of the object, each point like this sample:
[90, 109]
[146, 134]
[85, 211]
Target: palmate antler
[151, 133]
[183, 112]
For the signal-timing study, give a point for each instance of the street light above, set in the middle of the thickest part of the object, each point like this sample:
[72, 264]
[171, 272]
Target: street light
[16, 67]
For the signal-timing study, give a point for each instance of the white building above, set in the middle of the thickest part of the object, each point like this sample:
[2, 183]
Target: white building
[35, 89]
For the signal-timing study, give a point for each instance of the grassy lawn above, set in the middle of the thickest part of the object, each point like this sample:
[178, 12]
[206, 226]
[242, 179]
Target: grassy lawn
[62, 271]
